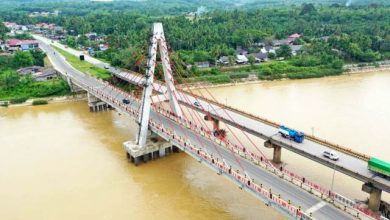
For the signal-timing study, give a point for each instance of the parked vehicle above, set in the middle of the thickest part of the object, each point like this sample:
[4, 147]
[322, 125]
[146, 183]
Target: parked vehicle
[197, 104]
[331, 155]
[291, 134]
[379, 166]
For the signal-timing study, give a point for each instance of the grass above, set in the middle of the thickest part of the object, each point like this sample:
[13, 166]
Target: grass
[47, 62]
[23, 88]
[287, 70]
[84, 66]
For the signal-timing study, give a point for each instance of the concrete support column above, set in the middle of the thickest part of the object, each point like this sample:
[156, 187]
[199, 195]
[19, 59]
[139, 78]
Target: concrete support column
[137, 160]
[277, 158]
[162, 152]
[146, 158]
[375, 199]
[155, 154]
[375, 196]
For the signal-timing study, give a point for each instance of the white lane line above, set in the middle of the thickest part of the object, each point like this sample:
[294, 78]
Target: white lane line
[316, 207]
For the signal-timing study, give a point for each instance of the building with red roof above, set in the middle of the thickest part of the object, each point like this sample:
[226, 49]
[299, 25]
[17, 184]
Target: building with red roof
[293, 37]
[16, 44]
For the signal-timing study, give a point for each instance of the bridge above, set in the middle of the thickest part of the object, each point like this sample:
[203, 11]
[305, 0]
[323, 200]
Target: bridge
[164, 128]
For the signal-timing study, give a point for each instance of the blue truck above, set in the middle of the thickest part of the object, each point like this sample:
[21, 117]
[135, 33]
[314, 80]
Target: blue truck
[291, 134]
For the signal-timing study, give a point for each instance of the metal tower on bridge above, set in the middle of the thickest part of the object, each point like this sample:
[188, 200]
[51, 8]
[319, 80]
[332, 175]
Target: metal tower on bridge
[157, 41]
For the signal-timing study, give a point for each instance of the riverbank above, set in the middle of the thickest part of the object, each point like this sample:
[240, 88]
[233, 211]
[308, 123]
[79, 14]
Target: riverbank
[205, 84]
[50, 100]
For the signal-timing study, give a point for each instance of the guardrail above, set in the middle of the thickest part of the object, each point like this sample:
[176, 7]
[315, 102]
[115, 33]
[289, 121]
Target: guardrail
[222, 167]
[242, 180]
[345, 204]
[259, 160]
[337, 147]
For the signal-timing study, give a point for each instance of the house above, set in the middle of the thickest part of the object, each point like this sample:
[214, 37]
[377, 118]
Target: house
[241, 51]
[270, 49]
[296, 49]
[241, 59]
[278, 43]
[16, 44]
[293, 37]
[224, 60]
[259, 44]
[29, 70]
[103, 47]
[11, 25]
[46, 74]
[91, 36]
[260, 57]
[43, 26]
[204, 64]
[254, 55]
[2, 45]
[38, 73]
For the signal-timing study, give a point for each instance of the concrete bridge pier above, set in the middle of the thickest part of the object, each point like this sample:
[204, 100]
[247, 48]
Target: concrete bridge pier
[374, 200]
[95, 104]
[277, 155]
[154, 148]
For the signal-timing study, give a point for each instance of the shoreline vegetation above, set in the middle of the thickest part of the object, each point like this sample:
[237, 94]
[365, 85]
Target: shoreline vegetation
[296, 42]
[83, 97]
[17, 87]
[47, 100]
[257, 81]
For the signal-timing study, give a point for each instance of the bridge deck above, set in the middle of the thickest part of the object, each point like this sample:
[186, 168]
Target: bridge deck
[351, 163]
[287, 190]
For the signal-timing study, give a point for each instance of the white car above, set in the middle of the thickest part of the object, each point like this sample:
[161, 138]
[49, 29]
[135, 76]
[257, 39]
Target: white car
[331, 155]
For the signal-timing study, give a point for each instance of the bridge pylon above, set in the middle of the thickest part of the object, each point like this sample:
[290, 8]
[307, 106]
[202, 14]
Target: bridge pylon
[143, 141]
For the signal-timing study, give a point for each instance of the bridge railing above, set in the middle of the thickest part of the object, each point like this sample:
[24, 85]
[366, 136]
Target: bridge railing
[337, 147]
[310, 186]
[259, 160]
[223, 168]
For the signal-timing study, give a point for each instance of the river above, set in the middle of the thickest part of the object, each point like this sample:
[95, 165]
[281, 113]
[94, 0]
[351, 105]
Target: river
[60, 161]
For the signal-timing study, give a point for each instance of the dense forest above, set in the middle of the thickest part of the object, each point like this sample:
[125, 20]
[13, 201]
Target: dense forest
[332, 34]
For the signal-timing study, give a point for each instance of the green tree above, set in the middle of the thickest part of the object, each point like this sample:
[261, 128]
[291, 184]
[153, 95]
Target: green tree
[251, 60]
[307, 8]
[9, 80]
[284, 51]
[231, 59]
[23, 59]
[3, 30]
[38, 56]
[71, 41]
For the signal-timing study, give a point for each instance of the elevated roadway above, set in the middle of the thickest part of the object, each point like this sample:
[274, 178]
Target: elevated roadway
[287, 190]
[351, 163]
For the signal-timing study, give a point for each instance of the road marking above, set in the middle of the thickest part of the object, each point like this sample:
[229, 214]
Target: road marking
[316, 207]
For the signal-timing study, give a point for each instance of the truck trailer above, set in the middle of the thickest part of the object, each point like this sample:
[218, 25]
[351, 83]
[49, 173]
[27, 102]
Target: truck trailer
[291, 134]
[379, 166]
